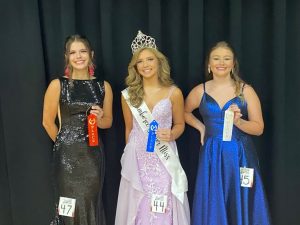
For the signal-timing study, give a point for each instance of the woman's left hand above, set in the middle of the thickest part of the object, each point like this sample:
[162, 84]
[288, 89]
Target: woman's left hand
[97, 111]
[164, 134]
[237, 113]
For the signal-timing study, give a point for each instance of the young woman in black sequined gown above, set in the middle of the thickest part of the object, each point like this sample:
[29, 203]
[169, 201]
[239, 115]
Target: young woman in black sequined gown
[78, 167]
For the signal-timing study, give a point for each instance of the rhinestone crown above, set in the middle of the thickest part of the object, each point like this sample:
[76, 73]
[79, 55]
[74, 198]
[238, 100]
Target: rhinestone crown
[142, 41]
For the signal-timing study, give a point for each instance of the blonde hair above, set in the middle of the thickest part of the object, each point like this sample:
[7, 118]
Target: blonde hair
[234, 74]
[134, 80]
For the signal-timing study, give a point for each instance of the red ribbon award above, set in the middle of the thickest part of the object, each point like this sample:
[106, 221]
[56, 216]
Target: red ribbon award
[92, 130]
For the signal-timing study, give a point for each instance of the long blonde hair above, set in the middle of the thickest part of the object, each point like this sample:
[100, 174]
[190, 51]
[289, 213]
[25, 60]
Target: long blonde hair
[134, 80]
[234, 74]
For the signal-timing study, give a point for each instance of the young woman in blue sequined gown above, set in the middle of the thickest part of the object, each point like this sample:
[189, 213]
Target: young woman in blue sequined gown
[78, 167]
[219, 198]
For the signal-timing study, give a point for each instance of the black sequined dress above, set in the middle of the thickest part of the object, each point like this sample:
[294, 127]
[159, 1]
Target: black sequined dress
[79, 168]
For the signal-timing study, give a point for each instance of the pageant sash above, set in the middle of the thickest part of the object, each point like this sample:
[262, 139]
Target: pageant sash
[162, 148]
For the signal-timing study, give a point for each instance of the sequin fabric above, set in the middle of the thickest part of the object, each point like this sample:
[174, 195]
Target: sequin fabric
[78, 168]
[153, 175]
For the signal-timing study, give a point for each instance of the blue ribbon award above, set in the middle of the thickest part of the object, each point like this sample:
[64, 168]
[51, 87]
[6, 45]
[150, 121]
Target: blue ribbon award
[152, 136]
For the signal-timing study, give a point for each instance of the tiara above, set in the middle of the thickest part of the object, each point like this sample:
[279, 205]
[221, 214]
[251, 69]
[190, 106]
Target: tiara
[142, 41]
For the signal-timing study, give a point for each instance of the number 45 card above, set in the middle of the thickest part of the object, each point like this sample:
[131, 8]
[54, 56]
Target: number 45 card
[66, 206]
[247, 177]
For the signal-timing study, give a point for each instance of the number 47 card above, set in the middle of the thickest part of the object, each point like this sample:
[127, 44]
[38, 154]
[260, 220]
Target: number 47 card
[66, 206]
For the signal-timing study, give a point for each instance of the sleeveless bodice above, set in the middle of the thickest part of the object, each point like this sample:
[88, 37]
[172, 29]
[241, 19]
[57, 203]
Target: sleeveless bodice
[162, 113]
[213, 115]
[76, 98]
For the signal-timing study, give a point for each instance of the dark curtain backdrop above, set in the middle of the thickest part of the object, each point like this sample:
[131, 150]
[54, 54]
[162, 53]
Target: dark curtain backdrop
[265, 34]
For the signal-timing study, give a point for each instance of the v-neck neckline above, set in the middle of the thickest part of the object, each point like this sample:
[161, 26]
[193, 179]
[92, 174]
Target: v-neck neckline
[151, 110]
[216, 102]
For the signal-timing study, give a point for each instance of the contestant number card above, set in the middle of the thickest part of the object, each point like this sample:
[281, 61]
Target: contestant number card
[228, 124]
[159, 203]
[247, 177]
[66, 206]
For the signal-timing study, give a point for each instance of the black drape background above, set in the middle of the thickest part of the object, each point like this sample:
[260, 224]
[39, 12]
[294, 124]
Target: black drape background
[265, 34]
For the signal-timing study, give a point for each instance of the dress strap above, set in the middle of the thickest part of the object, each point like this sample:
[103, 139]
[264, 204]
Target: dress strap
[204, 86]
[242, 91]
[171, 91]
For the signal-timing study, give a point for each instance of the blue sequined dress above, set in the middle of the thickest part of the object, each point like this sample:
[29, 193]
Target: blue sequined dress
[79, 168]
[219, 198]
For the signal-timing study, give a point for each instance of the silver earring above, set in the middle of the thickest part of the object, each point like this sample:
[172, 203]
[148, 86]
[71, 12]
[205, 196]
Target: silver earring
[208, 70]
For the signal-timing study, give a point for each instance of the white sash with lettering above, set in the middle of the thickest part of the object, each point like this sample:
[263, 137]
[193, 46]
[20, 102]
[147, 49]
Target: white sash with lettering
[162, 148]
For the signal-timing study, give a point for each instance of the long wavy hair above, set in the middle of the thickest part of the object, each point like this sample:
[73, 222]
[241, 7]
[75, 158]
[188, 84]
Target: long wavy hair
[68, 42]
[134, 80]
[234, 74]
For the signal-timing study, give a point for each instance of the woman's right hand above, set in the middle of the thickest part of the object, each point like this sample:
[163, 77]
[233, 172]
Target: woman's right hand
[192, 102]
[202, 134]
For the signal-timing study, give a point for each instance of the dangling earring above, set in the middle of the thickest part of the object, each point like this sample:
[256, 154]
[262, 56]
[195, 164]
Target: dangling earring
[91, 69]
[67, 71]
[232, 71]
[209, 70]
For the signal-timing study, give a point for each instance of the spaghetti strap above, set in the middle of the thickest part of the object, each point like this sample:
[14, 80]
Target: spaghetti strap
[244, 84]
[171, 91]
[204, 87]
